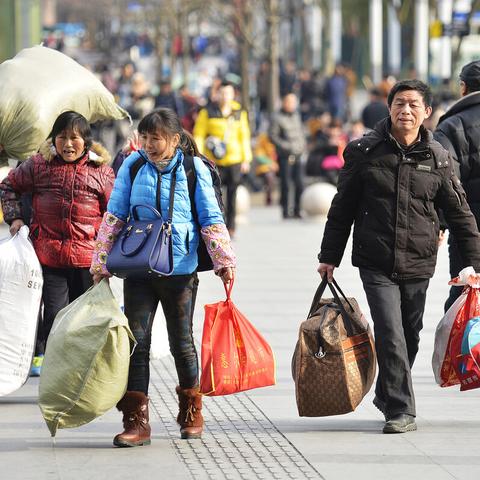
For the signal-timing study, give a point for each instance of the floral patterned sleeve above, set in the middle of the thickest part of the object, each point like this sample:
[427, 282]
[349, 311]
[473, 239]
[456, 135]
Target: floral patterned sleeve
[217, 240]
[107, 234]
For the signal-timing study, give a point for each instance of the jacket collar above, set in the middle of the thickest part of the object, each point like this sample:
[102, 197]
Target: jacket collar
[463, 103]
[381, 133]
[177, 158]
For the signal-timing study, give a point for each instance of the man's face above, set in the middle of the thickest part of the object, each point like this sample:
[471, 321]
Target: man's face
[290, 103]
[408, 111]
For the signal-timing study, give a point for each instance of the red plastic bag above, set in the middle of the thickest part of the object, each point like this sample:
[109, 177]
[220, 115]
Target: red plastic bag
[235, 357]
[450, 363]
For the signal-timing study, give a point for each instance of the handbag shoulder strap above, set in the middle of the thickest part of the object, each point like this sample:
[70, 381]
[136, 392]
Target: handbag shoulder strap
[173, 183]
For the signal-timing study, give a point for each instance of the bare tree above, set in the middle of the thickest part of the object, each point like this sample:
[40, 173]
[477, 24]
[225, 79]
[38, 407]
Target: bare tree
[272, 9]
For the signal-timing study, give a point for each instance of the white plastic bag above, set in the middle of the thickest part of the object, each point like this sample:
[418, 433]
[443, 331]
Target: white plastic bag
[21, 284]
[37, 85]
[467, 276]
[442, 335]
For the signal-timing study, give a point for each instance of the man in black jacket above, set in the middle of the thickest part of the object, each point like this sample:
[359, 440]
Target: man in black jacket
[393, 180]
[459, 132]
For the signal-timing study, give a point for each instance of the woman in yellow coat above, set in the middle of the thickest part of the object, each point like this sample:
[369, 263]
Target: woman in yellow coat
[222, 133]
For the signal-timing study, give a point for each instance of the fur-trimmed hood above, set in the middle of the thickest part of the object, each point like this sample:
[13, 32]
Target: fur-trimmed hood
[97, 154]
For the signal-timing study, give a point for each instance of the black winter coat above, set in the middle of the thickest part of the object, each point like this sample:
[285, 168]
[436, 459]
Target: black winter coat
[458, 131]
[391, 197]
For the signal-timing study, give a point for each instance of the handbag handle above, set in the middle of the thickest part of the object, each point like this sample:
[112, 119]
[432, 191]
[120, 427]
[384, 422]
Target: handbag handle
[148, 207]
[347, 319]
[146, 232]
[228, 290]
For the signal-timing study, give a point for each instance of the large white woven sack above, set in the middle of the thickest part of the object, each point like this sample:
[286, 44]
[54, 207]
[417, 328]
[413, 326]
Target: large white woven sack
[20, 294]
[36, 86]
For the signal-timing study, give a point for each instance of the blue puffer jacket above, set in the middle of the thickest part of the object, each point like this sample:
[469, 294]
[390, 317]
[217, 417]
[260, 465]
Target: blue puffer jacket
[144, 190]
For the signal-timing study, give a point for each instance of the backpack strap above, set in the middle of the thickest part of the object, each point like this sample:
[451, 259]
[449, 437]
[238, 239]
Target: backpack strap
[191, 173]
[136, 166]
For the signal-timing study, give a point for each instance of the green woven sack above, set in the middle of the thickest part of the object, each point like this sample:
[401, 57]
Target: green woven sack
[85, 370]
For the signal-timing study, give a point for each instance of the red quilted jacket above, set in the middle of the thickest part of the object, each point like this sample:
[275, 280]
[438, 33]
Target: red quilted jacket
[69, 200]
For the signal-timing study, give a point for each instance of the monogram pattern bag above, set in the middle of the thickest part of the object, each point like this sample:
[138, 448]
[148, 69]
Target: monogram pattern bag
[334, 362]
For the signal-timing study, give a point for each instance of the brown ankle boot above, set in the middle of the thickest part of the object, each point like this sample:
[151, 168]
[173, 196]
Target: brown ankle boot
[134, 406]
[190, 416]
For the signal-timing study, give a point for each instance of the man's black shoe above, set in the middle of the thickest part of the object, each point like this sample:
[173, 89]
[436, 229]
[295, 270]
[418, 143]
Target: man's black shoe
[400, 423]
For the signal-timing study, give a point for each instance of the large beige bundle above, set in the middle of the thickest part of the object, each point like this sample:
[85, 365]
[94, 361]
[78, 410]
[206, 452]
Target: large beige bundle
[85, 370]
[36, 86]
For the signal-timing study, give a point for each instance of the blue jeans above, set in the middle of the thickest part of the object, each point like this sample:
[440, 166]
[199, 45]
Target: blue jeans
[177, 295]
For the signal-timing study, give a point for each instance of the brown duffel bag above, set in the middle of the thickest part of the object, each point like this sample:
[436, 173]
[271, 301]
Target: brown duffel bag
[334, 361]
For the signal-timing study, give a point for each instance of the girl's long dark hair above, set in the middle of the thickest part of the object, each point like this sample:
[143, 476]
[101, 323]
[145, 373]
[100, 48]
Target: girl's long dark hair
[167, 121]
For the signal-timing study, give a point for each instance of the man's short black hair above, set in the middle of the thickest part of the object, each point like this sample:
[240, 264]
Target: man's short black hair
[227, 83]
[470, 75]
[422, 88]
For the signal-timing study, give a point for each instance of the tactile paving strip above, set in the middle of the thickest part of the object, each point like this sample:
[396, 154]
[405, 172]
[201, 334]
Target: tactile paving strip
[238, 442]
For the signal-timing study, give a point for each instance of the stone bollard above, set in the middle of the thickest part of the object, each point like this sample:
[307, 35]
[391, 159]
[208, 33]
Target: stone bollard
[243, 205]
[316, 200]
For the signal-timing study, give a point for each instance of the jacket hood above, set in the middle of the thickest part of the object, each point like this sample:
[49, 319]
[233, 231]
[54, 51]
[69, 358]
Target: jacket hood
[97, 153]
[470, 100]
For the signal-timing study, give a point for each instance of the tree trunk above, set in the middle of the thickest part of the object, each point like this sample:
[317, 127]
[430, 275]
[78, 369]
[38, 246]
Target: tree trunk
[244, 73]
[159, 50]
[306, 41]
[185, 46]
[273, 41]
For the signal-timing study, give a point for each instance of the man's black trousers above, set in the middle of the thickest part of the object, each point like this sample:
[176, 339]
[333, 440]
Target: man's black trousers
[397, 308]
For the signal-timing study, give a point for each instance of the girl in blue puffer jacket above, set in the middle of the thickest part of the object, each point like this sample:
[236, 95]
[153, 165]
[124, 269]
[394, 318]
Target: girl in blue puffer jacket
[164, 144]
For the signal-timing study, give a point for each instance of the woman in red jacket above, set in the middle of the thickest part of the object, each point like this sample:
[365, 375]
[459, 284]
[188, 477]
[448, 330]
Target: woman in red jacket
[70, 182]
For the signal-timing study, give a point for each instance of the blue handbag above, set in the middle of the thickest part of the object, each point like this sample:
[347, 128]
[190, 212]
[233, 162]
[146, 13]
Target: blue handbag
[144, 248]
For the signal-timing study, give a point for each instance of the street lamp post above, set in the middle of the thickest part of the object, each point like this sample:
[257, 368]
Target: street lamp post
[336, 30]
[376, 39]
[421, 39]
[394, 39]
[445, 9]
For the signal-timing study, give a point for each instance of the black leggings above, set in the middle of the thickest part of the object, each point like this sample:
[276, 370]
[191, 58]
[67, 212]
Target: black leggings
[177, 294]
[61, 286]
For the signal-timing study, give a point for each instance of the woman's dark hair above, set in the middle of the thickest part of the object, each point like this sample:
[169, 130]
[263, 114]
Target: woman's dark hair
[422, 88]
[72, 121]
[166, 121]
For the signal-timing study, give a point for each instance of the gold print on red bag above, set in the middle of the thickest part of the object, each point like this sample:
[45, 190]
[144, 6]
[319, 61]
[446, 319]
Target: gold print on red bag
[223, 360]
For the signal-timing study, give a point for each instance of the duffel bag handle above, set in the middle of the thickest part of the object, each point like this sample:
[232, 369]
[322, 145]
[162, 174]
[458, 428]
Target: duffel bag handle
[347, 319]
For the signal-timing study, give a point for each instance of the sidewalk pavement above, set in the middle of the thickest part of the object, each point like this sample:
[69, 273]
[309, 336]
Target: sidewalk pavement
[258, 434]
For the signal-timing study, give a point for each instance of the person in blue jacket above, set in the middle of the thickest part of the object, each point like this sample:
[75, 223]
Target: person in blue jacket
[164, 144]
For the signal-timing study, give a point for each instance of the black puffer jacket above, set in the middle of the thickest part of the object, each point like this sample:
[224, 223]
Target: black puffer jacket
[391, 197]
[459, 132]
